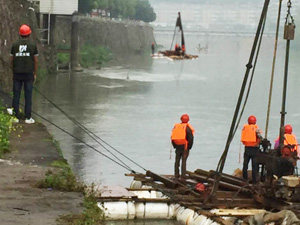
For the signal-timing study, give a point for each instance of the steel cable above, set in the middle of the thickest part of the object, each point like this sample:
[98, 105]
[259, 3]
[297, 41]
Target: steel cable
[73, 136]
[89, 132]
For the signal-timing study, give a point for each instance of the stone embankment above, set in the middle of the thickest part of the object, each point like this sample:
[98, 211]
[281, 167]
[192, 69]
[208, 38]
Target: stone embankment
[121, 37]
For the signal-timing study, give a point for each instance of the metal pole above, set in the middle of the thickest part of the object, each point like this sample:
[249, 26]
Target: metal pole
[289, 31]
[283, 112]
[49, 24]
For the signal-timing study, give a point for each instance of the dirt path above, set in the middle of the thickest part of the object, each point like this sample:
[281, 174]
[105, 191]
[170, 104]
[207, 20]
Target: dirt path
[32, 151]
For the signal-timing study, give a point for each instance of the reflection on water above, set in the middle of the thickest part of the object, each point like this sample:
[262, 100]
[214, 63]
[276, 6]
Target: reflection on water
[133, 104]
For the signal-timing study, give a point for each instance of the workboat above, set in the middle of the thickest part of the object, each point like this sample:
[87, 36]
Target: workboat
[178, 51]
[214, 197]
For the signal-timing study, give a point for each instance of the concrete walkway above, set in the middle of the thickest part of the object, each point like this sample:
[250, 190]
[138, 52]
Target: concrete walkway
[32, 152]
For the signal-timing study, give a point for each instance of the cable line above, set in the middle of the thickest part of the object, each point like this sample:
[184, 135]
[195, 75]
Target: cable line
[89, 132]
[222, 160]
[251, 79]
[76, 138]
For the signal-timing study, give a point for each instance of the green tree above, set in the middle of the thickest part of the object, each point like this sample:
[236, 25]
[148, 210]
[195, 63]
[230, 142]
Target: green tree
[144, 11]
[129, 10]
[85, 6]
[125, 9]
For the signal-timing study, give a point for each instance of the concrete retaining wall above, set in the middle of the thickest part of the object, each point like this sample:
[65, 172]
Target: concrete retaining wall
[121, 37]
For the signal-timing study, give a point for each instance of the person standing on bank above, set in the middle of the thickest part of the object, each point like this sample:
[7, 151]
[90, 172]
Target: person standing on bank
[251, 138]
[24, 63]
[152, 48]
[182, 140]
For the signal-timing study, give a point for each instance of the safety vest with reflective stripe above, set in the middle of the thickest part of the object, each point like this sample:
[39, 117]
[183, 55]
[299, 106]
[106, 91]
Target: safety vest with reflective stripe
[249, 136]
[179, 134]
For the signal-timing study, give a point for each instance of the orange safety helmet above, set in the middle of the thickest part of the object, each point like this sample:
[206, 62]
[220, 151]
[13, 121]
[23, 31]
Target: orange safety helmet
[185, 118]
[251, 119]
[288, 129]
[24, 30]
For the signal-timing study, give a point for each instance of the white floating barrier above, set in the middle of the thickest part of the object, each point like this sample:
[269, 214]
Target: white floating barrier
[185, 216]
[156, 210]
[199, 220]
[136, 184]
[118, 210]
[139, 210]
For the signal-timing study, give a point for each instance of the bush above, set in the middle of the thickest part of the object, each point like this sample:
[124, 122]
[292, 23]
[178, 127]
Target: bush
[63, 58]
[94, 56]
[91, 215]
[5, 129]
[63, 180]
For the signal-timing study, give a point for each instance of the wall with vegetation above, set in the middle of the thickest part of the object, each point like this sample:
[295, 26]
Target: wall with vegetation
[120, 37]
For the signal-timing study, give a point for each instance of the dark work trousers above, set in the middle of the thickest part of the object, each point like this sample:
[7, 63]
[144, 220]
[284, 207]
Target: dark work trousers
[250, 153]
[17, 88]
[181, 154]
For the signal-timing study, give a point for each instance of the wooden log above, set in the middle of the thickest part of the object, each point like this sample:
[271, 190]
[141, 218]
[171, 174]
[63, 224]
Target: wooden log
[168, 182]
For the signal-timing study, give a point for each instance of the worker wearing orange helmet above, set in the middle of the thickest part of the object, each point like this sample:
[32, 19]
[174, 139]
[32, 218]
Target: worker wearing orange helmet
[251, 138]
[290, 140]
[24, 64]
[182, 140]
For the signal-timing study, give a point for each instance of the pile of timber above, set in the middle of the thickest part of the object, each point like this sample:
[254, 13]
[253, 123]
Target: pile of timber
[233, 193]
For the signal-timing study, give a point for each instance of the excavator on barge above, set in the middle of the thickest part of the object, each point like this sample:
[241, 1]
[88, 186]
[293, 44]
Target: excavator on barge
[179, 52]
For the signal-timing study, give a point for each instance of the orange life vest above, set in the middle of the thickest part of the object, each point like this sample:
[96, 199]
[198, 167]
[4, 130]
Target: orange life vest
[179, 134]
[290, 139]
[249, 136]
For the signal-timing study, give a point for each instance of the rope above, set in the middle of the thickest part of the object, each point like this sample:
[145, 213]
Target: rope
[76, 138]
[173, 38]
[229, 138]
[89, 132]
[273, 69]
[251, 79]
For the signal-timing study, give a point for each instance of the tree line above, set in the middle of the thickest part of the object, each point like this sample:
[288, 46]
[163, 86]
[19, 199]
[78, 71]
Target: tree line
[121, 9]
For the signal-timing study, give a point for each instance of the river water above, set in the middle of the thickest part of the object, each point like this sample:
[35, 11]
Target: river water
[133, 104]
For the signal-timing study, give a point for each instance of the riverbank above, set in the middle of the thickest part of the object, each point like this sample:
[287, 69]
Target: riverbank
[31, 153]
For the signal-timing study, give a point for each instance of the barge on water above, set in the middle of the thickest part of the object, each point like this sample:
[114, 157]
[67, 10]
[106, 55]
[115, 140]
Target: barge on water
[213, 197]
[179, 53]
[154, 196]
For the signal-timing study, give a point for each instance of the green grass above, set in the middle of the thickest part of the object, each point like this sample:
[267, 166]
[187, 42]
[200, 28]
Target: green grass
[63, 58]
[94, 56]
[61, 179]
[91, 215]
